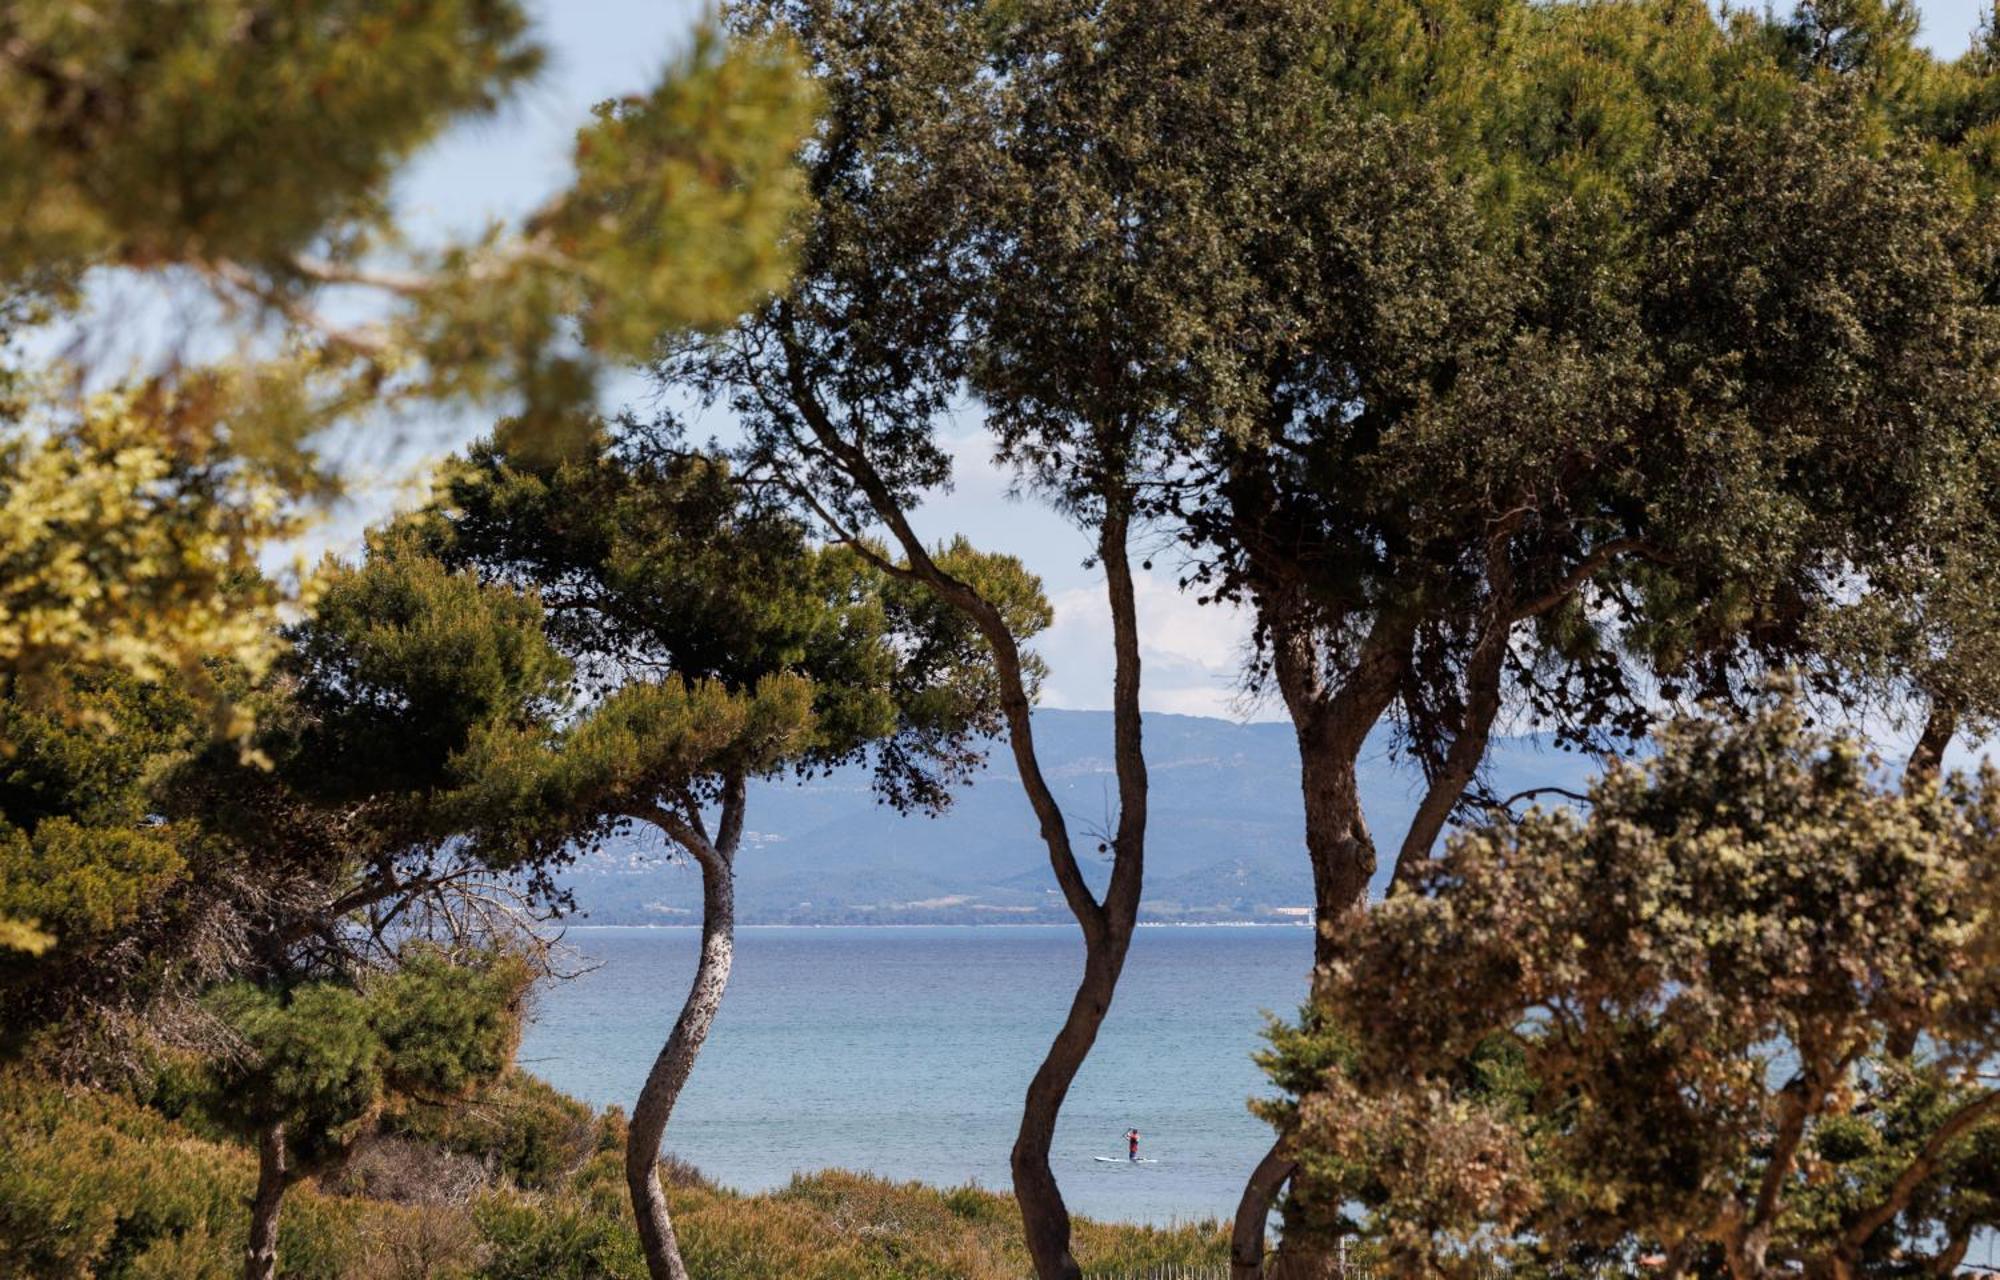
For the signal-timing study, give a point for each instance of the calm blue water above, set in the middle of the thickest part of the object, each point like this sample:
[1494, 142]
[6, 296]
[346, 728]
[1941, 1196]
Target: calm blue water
[906, 1052]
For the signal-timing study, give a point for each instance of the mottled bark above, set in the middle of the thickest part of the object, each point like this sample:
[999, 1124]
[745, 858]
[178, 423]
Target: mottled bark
[1337, 840]
[675, 1062]
[1331, 723]
[274, 1176]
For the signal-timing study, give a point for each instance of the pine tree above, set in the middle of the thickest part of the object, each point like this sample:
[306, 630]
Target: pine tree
[718, 646]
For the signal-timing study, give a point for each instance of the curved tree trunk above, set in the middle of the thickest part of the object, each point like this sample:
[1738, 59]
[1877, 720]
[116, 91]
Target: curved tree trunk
[1107, 925]
[676, 1060]
[1331, 725]
[1246, 1242]
[274, 1175]
[1044, 1215]
[1107, 932]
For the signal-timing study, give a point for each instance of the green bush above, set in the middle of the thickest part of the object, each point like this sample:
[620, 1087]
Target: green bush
[526, 1131]
[96, 1185]
[92, 1185]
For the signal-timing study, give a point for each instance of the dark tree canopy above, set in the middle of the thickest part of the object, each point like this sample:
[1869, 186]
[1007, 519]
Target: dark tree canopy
[1512, 362]
[1554, 416]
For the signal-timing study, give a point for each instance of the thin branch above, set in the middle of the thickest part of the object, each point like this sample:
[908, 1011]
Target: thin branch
[1921, 1167]
[1586, 569]
[404, 284]
[677, 828]
[1483, 669]
[984, 614]
[1529, 794]
[365, 342]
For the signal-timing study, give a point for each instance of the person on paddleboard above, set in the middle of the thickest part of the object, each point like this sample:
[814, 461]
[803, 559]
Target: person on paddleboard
[1132, 1144]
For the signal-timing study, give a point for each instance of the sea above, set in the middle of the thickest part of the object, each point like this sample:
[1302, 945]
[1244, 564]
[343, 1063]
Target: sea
[906, 1052]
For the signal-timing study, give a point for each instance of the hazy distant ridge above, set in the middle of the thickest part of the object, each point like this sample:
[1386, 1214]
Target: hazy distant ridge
[1225, 842]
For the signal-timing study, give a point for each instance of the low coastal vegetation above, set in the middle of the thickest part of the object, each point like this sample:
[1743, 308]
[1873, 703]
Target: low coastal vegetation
[520, 1183]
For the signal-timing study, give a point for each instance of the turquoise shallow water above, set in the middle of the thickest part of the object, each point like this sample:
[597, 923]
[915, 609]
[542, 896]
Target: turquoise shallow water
[906, 1051]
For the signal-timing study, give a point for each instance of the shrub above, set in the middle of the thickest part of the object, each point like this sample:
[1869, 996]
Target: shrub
[523, 1129]
[95, 1185]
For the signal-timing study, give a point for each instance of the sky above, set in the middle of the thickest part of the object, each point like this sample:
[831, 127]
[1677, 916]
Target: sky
[501, 168]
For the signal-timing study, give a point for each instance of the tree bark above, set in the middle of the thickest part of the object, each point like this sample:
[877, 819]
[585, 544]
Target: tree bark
[1955, 1246]
[274, 1175]
[1468, 746]
[1246, 1241]
[1332, 726]
[1107, 926]
[1337, 840]
[676, 1059]
[1927, 756]
[1107, 934]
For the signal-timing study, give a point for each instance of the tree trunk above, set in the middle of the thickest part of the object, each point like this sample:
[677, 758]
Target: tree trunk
[1107, 934]
[1927, 756]
[1337, 841]
[1107, 926]
[274, 1175]
[1468, 747]
[1044, 1216]
[1331, 727]
[670, 1070]
[1343, 861]
[1246, 1242]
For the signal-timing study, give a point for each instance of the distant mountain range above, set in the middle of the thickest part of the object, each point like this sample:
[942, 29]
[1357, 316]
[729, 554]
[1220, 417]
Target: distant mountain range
[1225, 840]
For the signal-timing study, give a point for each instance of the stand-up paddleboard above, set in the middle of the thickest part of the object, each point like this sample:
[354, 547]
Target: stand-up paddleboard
[1125, 1160]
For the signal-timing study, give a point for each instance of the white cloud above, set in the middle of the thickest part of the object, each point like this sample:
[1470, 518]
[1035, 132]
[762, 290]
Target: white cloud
[1191, 654]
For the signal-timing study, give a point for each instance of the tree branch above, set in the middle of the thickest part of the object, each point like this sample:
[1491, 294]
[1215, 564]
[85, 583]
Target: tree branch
[1586, 569]
[680, 831]
[1921, 1167]
[1482, 705]
[984, 615]
[1927, 756]
[369, 343]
